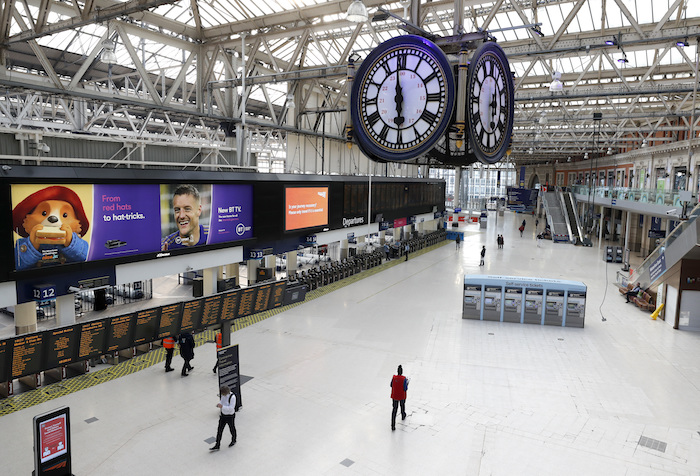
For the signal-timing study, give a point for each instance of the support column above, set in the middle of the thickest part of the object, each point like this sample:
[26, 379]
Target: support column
[601, 227]
[253, 265]
[209, 277]
[344, 249]
[25, 318]
[291, 262]
[65, 310]
[628, 225]
[457, 202]
[232, 271]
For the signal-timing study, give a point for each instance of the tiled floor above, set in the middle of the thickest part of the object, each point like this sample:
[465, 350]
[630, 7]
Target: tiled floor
[620, 397]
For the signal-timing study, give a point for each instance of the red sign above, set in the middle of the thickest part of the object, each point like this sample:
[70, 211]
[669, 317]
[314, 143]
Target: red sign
[460, 218]
[399, 222]
[53, 438]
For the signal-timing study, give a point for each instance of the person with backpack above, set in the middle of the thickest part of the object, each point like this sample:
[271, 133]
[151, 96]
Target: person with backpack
[186, 342]
[227, 405]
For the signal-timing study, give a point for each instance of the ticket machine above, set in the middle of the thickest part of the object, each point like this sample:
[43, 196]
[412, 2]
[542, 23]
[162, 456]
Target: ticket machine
[471, 302]
[492, 303]
[533, 306]
[512, 304]
[554, 307]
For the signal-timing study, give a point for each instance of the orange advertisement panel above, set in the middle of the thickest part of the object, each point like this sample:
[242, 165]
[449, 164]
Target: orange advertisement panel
[306, 207]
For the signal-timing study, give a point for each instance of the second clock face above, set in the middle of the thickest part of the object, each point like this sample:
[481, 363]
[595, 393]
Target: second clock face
[403, 98]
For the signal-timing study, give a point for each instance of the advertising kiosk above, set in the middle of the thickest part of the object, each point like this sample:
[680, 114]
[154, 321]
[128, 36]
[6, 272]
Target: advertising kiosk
[525, 300]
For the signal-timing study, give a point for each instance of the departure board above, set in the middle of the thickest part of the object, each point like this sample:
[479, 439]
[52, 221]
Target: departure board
[277, 295]
[60, 346]
[262, 298]
[93, 337]
[5, 356]
[146, 326]
[191, 313]
[169, 320]
[211, 311]
[229, 306]
[119, 336]
[26, 355]
[245, 306]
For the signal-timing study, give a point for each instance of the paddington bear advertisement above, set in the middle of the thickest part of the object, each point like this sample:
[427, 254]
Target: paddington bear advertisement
[59, 224]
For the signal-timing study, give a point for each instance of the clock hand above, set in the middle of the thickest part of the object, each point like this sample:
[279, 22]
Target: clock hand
[399, 101]
[492, 110]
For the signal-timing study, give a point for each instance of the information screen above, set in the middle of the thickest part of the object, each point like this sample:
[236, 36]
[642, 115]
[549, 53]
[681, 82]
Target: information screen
[52, 443]
[277, 295]
[245, 307]
[146, 326]
[191, 314]
[120, 329]
[211, 311]
[60, 347]
[170, 316]
[262, 298]
[93, 337]
[26, 355]
[5, 357]
[229, 308]
[305, 207]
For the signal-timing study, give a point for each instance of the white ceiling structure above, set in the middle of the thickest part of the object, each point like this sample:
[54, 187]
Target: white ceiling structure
[180, 67]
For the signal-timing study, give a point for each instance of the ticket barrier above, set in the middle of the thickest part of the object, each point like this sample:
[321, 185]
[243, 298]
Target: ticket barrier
[524, 300]
[618, 254]
[609, 256]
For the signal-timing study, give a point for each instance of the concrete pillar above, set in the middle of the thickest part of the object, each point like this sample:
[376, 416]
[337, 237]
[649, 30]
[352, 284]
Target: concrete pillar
[253, 265]
[232, 271]
[270, 261]
[209, 276]
[628, 226]
[601, 227]
[344, 249]
[291, 262]
[25, 318]
[65, 310]
[382, 237]
[458, 184]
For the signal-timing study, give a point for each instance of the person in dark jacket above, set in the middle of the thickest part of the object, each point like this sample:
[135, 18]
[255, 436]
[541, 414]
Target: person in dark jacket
[399, 387]
[483, 254]
[186, 342]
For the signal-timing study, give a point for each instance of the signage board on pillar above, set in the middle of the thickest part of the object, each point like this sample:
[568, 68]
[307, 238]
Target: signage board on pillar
[229, 372]
[45, 292]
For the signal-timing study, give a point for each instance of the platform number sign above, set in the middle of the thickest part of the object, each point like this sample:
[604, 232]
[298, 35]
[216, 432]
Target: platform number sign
[45, 292]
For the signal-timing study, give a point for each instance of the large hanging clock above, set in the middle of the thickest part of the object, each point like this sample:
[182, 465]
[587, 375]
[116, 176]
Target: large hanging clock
[490, 103]
[401, 99]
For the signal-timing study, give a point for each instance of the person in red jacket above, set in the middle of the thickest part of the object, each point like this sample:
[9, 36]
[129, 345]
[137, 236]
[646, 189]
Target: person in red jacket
[399, 386]
[219, 345]
[169, 346]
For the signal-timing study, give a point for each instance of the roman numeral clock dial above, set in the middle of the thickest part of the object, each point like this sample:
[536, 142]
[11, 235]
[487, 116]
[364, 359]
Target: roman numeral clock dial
[490, 105]
[401, 99]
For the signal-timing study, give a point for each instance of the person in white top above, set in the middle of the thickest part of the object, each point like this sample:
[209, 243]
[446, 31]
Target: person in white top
[227, 404]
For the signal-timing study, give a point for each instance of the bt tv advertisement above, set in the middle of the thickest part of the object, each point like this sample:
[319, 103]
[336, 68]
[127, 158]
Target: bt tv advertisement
[305, 207]
[62, 223]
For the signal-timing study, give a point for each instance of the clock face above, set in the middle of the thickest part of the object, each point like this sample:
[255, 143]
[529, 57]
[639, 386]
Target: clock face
[490, 103]
[402, 99]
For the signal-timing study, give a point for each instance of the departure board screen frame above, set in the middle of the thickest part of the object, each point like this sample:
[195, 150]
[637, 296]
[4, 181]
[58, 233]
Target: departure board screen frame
[211, 311]
[54, 357]
[277, 294]
[99, 338]
[262, 298]
[229, 305]
[246, 303]
[6, 347]
[117, 324]
[139, 336]
[31, 345]
[192, 309]
[177, 320]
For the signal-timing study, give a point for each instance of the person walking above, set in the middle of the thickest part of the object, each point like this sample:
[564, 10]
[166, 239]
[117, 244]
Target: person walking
[483, 253]
[219, 338]
[227, 404]
[458, 240]
[386, 251]
[169, 346]
[186, 342]
[407, 248]
[522, 228]
[399, 387]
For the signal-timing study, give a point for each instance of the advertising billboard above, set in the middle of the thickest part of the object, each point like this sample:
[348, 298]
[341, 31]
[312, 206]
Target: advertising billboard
[305, 207]
[68, 223]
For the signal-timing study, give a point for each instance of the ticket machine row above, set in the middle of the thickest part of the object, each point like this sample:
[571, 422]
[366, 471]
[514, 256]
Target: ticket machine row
[555, 307]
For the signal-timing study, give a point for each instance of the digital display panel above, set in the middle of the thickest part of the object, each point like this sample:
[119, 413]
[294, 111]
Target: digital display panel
[146, 326]
[277, 295]
[5, 358]
[245, 307]
[52, 443]
[211, 311]
[305, 207]
[26, 355]
[191, 313]
[262, 298]
[93, 337]
[60, 346]
[119, 336]
[170, 316]
[99, 221]
[229, 308]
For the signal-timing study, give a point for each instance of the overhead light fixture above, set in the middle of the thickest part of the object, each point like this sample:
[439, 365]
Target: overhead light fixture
[611, 42]
[609, 150]
[556, 86]
[357, 12]
[536, 29]
[108, 56]
[623, 60]
[644, 143]
[682, 43]
[290, 101]
[585, 156]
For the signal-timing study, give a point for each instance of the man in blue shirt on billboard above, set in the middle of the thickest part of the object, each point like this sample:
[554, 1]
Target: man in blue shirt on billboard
[187, 208]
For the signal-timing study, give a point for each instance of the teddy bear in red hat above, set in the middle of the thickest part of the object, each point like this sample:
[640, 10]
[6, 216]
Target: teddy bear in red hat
[51, 222]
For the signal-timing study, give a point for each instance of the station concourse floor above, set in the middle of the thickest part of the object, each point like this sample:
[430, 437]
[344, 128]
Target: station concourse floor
[618, 397]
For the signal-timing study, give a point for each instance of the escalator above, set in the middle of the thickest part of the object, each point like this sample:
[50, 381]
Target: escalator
[573, 221]
[555, 217]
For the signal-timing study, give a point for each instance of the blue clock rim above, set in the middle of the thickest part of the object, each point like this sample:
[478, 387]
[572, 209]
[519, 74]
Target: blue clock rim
[367, 145]
[484, 157]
